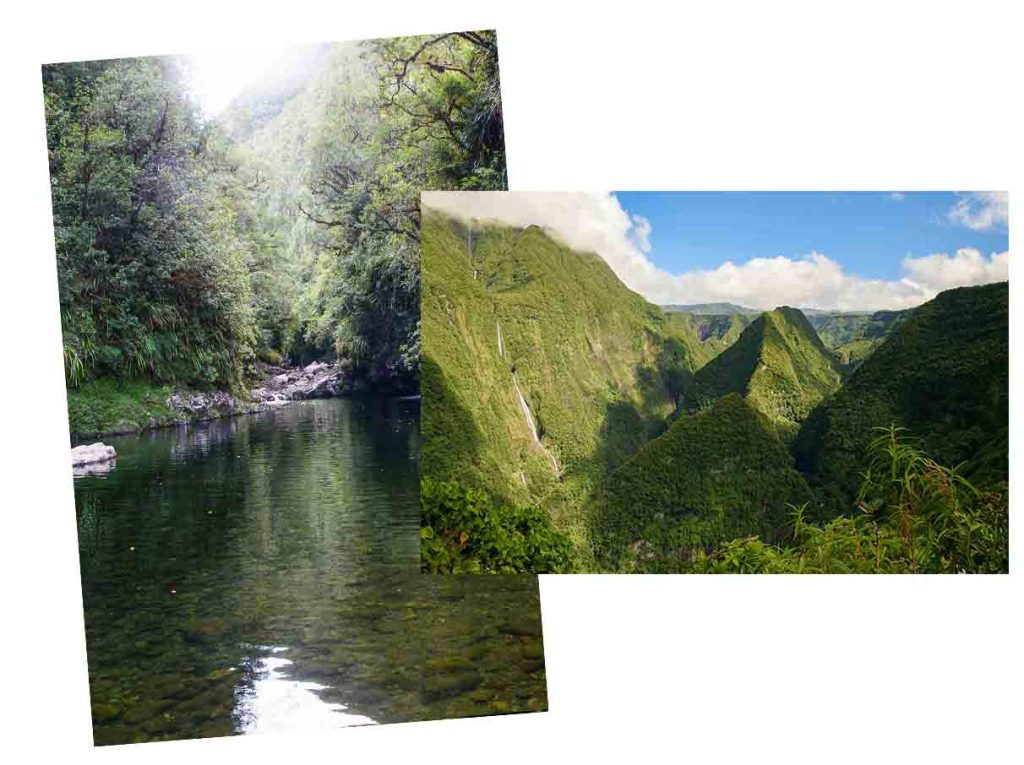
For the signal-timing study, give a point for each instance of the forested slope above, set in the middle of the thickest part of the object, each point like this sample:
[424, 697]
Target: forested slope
[853, 336]
[713, 476]
[943, 374]
[552, 439]
[778, 363]
[286, 227]
[513, 320]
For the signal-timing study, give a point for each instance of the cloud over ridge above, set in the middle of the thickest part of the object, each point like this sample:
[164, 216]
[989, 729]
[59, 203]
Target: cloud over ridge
[596, 222]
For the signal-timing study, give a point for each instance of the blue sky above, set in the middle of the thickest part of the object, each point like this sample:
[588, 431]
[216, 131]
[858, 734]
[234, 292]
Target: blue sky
[843, 251]
[868, 233]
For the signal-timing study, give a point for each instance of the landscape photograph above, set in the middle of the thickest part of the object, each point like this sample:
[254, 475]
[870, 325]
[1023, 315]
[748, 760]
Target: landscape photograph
[715, 382]
[237, 240]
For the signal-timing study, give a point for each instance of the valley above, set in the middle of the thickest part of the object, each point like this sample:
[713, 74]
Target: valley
[571, 425]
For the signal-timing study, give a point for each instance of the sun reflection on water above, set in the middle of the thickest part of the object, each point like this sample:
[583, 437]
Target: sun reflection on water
[274, 702]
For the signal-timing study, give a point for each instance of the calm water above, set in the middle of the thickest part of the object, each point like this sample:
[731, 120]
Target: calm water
[260, 573]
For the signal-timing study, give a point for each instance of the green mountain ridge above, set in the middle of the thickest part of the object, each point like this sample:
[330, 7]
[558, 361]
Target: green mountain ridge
[943, 373]
[680, 492]
[513, 312]
[778, 363]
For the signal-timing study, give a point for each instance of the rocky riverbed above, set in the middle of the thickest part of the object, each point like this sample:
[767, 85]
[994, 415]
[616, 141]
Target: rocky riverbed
[275, 386]
[279, 385]
[316, 380]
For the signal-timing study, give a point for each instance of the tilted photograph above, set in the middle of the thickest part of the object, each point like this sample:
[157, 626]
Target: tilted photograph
[238, 240]
[721, 382]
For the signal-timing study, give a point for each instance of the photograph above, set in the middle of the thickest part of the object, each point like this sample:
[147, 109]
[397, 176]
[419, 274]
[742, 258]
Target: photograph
[715, 382]
[465, 382]
[237, 246]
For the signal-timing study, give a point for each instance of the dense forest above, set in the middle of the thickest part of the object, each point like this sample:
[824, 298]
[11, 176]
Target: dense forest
[284, 230]
[570, 425]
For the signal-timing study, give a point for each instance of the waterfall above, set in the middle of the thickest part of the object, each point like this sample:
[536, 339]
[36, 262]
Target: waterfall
[469, 246]
[555, 467]
[526, 411]
[501, 343]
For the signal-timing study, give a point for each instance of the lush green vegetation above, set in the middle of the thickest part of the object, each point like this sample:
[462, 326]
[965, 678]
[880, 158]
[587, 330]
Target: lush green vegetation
[150, 255]
[286, 227]
[439, 126]
[464, 532]
[598, 367]
[778, 363]
[913, 515]
[853, 336]
[679, 441]
[711, 477]
[111, 406]
[715, 332]
[943, 373]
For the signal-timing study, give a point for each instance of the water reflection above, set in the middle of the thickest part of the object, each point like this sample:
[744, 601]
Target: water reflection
[98, 469]
[297, 528]
[275, 702]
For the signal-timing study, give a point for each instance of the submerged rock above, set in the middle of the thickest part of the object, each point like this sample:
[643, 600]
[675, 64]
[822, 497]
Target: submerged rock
[91, 454]
[521, 629]
[450, 685]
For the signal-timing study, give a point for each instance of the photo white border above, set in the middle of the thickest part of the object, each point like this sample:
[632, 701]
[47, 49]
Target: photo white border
[638, 95]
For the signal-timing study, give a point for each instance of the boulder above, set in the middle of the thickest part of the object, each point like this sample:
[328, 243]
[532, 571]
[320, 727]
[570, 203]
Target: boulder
[320, 386]
[197, 404]
[89, 454]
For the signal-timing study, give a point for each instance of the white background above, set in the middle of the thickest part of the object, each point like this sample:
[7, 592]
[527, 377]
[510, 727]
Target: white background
[628, 95]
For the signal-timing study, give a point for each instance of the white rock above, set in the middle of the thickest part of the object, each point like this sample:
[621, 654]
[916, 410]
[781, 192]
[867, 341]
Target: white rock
[316, 366]
[88, 454]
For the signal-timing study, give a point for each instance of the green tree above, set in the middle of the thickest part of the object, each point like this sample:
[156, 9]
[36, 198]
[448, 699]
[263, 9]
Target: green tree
[150, 268]
[432, 120]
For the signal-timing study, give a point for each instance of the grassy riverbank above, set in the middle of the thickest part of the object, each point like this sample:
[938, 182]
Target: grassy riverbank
[115, 406]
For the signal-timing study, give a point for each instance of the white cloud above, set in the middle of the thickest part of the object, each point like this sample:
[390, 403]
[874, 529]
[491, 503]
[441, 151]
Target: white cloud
[968, 266]
[642, 233]
[598, 223]
[981, 210]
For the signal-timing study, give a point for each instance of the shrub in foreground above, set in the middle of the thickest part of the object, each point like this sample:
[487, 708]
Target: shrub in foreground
[464, 532]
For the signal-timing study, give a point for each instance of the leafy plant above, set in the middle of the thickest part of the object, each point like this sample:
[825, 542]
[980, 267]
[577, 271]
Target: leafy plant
[914, 516]
[463, 531]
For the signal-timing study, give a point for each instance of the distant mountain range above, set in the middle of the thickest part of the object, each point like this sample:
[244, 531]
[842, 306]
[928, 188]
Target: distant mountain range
[710, 309]
[646, 433]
